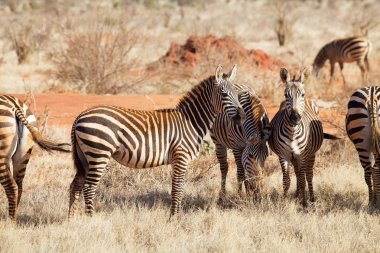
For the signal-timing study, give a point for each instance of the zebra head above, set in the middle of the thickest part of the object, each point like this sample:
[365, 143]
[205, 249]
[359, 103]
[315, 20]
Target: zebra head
[294, 95]
[257, 130]
[225, 96]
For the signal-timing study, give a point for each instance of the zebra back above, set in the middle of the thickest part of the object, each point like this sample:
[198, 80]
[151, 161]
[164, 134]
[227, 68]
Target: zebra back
[19, 111]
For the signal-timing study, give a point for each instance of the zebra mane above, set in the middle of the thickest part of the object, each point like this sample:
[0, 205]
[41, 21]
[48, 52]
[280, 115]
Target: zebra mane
[258, 110]
[197, 89]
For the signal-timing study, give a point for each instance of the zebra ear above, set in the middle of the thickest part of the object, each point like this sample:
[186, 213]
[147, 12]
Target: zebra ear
[232, 74]
[219, 74]
[284, 74]
[304, 75]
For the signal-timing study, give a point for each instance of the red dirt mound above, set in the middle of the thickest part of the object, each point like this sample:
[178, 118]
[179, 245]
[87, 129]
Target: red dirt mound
[199, 52]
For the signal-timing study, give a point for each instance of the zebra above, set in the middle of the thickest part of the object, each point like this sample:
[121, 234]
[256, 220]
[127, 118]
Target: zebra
[18, 133]
[142, 139]
[352, 49]
[362, 126]
[296, 135]
[247, 141]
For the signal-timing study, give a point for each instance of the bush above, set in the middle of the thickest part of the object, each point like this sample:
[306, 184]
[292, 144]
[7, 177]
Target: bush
[26, 39]
[284, 21]
[97, 61]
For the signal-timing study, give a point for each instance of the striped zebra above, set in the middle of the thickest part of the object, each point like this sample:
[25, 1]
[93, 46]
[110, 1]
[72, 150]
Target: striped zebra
[296, 135]
[247, 141]
[18, 134]
[353, 49]
[142, 139]
[362, 126]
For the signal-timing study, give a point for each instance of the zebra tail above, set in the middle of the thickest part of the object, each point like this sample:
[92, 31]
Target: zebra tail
[330, 136]
[77, 161]
[42, 142]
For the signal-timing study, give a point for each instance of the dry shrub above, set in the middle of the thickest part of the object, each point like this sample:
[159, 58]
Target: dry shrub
[96, 61]
[26, 39]
[20, 39]
[13, 5]
[285, 19]
[364, 19]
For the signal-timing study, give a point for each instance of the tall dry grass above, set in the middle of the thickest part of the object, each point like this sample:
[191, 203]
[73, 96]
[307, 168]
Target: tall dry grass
[132, 210]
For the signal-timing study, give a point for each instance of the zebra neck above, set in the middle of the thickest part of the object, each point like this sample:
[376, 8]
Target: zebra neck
[197, 107]
[321, 58]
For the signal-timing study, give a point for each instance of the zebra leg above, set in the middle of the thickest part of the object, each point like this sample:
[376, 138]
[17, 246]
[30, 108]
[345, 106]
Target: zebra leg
[362, 70]
[367, 62]
[366, 164]
[285, 175]
[95, 172]
[376, 183]
[20, 161]
[76, 188]
[301, 176]
[376, 186]
[332, 68]
[341, 65]
[10, 188]
[179, 164]
[309, 177]
[240, 172]
[221, 154]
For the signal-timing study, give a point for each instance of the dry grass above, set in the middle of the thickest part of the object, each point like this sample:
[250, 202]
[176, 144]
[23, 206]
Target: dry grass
[132, 210]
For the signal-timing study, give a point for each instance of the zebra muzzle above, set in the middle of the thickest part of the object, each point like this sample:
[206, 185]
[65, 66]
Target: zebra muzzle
[295, 117]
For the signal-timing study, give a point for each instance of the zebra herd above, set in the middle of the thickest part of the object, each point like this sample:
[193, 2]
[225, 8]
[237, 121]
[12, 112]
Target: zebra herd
[233, 115]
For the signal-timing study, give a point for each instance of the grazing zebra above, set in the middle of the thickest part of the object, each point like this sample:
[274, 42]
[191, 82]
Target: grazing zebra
[247, 141]
[18, 133]
[142, 139]
[362, 126]
[353, 49]
[296, 135]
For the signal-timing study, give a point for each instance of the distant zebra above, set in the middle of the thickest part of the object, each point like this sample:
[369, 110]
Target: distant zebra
[18, 133]
[296, 135]
[353, 49]
[362, 125]
[248, 141]
[142, 139]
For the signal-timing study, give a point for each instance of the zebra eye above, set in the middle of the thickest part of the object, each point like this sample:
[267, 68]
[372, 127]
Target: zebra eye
[303, 94]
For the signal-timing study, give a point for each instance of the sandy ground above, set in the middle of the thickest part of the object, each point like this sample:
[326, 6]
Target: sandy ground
[64, 107]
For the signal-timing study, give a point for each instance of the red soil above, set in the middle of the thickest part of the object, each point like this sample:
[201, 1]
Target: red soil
[212, 50]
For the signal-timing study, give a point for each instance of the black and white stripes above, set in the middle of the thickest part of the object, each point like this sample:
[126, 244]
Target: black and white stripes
[247, 140]
[18, 133]
[296, 135]
[141, 139]
[362, 125]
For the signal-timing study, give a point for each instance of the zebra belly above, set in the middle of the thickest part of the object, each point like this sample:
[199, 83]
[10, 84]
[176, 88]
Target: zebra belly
[139, 158]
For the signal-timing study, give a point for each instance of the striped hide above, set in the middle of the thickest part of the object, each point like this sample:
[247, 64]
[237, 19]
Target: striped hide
[247, 140]
[142, 139]
[18, 134]
[362, 126]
